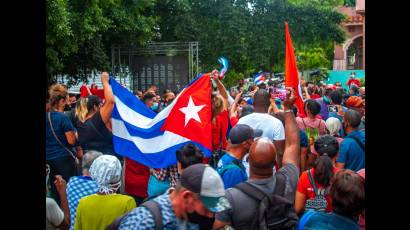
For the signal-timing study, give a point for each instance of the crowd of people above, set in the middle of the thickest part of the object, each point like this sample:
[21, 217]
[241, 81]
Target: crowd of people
[272, 166]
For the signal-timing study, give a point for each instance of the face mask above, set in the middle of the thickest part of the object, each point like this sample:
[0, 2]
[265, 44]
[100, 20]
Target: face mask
[67, 107]
[154, 106]
[196, 218]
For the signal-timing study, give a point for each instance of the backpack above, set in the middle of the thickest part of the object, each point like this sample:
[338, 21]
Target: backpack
[152, 206]
[312, 133]
[234, 164]
[319, 202]
[275, 211]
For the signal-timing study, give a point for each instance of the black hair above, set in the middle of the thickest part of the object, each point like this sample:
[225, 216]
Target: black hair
[148, 96]
[354, 88]
[188, 155]
[246, 110]
[262, 86]
[261, 98]
[353, 118]
[313, 106]
[327, 147]
[336, 97]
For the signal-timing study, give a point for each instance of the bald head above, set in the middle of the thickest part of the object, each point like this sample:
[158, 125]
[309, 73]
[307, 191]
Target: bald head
[261, 100]
[262, 157]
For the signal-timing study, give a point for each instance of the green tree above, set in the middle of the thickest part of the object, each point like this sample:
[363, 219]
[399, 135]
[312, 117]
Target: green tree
[250, 33]
[80, 33]
[59, 35]
[350, 2]
[312, 59]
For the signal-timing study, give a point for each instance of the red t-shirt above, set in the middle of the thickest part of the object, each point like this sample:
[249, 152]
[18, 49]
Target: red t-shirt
[314, 96]
[220, 126]
[305, 187]
[234, 120]
[355, 81]
[84, 91]
[98, 92]
[136, 178]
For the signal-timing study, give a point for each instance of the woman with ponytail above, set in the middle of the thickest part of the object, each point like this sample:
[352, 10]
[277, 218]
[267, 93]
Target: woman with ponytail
[313, 186]
[94, 120]
[60, 138]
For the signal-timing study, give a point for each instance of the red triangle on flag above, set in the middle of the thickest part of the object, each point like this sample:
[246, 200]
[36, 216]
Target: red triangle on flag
[191, 115]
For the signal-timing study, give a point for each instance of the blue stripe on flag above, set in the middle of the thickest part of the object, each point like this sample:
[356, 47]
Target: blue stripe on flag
[130, 100]
[160, 159]
[135, 131]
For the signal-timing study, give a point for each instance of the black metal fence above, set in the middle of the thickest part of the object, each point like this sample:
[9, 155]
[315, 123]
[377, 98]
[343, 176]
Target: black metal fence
[168, 65]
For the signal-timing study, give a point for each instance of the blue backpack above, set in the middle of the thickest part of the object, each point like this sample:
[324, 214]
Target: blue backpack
[234, 164]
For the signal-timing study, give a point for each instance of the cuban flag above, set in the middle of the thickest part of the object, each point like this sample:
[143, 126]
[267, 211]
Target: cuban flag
[152, 139]
[259, 78]
[225, 65]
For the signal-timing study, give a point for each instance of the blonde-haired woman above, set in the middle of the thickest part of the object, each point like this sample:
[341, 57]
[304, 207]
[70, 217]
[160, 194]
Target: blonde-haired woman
[60, 138]
[94, 120]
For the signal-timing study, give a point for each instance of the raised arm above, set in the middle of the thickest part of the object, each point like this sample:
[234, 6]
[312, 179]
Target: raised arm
[221, 87]
[292, 138]
[235, 105]
[273, 108]
[61, 189]
[108, 106]
[306, 92]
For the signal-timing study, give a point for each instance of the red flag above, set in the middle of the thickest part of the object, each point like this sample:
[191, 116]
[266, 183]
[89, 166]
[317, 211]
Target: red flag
[291, 72]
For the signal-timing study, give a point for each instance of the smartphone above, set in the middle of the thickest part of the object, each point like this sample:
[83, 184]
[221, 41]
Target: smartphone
[333, 108]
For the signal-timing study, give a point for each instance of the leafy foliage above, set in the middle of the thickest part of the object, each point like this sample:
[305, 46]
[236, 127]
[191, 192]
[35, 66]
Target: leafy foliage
[80, 33]
[312, 59]
[250, 33]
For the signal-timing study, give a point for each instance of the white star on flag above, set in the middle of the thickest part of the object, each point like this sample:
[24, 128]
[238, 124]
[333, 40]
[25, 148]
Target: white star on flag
[191, 111]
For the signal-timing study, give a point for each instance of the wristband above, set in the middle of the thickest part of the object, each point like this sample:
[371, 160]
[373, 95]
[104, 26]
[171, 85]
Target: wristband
[288, 111]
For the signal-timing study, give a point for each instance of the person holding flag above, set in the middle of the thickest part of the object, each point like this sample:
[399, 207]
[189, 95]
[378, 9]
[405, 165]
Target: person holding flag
[152, 139]
[291, 72]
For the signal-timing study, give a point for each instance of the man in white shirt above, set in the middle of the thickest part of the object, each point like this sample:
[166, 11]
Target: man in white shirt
[260, 119]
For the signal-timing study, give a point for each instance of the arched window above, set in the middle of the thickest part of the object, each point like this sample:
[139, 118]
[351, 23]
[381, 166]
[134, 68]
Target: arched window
[354, 54]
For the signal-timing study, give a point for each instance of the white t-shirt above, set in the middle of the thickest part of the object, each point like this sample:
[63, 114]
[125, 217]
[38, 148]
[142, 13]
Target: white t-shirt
[54, 215]
[271, 126]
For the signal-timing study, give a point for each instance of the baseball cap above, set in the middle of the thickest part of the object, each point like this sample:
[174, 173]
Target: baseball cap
[246, 110]
[241, 132]
[330, 86]
[249, 100]
[206, 182]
